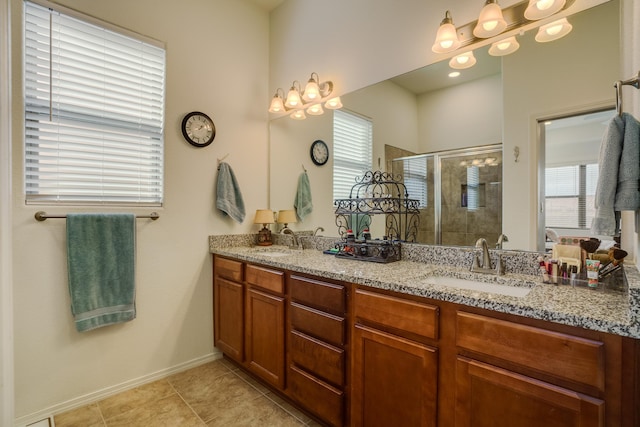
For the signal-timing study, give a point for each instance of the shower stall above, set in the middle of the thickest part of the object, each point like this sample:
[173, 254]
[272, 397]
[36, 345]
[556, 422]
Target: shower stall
[460, 194]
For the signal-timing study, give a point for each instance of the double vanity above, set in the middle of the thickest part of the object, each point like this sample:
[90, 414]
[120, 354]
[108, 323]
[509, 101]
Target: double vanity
[425, 341]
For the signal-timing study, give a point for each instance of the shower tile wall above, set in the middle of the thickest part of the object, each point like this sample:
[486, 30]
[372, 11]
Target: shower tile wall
[462, 226]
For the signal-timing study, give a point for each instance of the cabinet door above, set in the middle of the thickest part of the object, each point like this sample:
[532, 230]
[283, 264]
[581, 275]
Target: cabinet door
[229, 318]
[394, 380]
[490, 396]
[265, 336]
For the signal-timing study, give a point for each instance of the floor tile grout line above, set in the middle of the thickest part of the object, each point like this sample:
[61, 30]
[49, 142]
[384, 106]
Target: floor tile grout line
[204, 423]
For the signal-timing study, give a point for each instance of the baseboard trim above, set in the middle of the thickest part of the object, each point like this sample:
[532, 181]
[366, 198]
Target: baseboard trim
[110, 391]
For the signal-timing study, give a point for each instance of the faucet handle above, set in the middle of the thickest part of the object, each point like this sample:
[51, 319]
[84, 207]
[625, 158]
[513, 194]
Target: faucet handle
[500, 266]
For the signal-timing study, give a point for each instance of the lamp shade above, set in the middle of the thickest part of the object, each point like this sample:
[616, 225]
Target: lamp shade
[277, 106]
[446, 37]
[263, 216]
[504, 47]
[298, 115]
[540, 9]
[311, 91]
[315, 110]
[553, 31]
[333, 103]
[490, 22]
[462, 61]
[287, 216]
[293, 98]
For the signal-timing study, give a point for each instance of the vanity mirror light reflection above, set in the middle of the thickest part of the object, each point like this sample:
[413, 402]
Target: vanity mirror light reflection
[498, 102]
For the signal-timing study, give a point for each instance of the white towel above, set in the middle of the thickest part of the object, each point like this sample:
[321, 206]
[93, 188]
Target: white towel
[619, 174]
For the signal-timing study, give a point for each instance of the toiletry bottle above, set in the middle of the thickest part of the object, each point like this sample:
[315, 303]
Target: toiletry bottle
[554, 271]
[366, 234]
[574, 275]
[565, 274]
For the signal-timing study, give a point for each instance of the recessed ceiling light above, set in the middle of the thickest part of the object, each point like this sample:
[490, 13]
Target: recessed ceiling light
[454, 74]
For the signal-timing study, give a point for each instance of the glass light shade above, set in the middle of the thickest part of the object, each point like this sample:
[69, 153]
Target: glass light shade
[293, 98]
[553, 31]
[263, 216]
[539, 9]
[490, 23]
[315, 110]
[311, 91]
[504, 47]
[298, 115]
[446, 37]
[277, 106]
[462, 61]
[287, 216]
[333, 103]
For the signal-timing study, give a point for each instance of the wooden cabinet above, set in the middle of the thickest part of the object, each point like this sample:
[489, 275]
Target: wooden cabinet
[395, 377]
[249, 317]
[317, 342]
[228, 294]
[487, 395]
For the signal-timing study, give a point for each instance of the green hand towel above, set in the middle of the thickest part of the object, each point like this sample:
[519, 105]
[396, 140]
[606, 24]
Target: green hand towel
[101, 263]
[302, 202]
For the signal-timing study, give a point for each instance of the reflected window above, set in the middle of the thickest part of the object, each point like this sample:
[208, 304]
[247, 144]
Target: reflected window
[352, 142]
[569, 198]
[415, 179]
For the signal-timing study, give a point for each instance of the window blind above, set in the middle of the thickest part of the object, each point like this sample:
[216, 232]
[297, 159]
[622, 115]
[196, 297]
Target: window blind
[94, 112]
[415, 178]
[352, 142]
[569, 195]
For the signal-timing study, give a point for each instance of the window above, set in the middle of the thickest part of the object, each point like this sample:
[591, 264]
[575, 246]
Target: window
[94, 111]
[352, 141]
[415, 178]
[569, 195]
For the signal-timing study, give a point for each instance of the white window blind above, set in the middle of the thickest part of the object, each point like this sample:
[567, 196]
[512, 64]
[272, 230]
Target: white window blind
[415, 178]
[94, 112]
[569, 195]
[352, 142]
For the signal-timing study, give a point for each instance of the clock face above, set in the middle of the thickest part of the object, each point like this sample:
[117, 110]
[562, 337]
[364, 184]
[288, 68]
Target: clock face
[319, 152]
[198, 129]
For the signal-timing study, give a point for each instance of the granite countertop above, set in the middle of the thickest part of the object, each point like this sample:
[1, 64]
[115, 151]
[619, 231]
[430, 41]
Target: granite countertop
[608, 311]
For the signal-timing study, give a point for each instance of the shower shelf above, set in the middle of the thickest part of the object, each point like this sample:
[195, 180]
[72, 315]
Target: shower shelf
[377, 193]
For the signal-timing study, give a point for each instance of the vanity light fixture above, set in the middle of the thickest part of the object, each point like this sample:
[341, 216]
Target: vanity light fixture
[315, 92]
[490, 22]
[504, 47]
[298, 115]
[540, 9]
[553, 31]
[463, 61]
[447, 36]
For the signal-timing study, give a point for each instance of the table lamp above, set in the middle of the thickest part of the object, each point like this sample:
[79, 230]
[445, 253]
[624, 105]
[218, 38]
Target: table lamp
[264, 217]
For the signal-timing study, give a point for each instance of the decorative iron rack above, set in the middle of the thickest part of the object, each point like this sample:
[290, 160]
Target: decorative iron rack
[376, 193]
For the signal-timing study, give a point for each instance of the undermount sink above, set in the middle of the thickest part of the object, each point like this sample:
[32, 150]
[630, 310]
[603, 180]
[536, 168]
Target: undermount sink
[474, 285]
[272, 252]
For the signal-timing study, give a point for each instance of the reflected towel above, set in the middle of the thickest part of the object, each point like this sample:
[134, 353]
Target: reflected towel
[228, 195]
[619, 173]
[302, 202]
[101, 264]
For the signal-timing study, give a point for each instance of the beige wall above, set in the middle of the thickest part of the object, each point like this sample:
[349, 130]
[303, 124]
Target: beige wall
[217, 62]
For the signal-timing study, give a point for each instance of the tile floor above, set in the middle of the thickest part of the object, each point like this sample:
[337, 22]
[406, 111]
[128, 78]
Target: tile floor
[213, 394]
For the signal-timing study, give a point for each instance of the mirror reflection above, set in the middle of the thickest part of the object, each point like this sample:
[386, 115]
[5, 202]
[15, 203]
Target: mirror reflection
[425, 112]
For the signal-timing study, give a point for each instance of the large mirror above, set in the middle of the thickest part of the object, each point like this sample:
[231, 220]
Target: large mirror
[498, 101]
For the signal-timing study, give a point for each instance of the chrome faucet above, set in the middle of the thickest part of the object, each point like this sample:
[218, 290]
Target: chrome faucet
[502, 238]
[296, 243]
[315, 232]
[485, 266]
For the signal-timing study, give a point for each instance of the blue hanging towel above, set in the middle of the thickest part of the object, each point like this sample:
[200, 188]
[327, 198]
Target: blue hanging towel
[101, 264]
[228, 195]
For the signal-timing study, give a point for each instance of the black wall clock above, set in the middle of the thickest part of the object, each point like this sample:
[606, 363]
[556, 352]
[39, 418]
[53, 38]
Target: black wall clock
[319, 152]
[198, 129]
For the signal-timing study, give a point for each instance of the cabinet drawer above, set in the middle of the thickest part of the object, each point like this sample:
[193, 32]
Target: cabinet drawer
[228, 269]
[404, 315]
[566, 356]
[321, 325]
[318, 294]
[272, 280]
[320, 398]
[323, 360]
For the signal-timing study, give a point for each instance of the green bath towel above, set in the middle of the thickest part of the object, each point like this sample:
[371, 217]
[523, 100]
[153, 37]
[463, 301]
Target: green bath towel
[302, 202]
[101, 263]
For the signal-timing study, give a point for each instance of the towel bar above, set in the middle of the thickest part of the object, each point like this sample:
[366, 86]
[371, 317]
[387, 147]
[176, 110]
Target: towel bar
[41, 216]
[634, 81]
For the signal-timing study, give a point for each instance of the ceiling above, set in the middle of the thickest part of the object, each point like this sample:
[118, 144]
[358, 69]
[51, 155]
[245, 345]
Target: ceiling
[267, 5]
